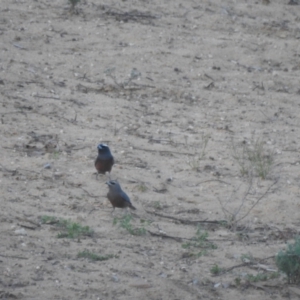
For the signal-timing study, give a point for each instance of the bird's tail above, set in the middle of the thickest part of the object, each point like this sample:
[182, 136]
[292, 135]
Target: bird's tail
[132, 207]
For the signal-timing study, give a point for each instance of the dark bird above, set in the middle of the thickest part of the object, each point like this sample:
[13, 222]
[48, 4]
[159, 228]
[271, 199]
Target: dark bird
[104, 160]
[117, 197]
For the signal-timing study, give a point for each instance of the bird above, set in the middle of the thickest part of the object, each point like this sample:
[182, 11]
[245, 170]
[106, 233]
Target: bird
[104, 160]
[117, 197]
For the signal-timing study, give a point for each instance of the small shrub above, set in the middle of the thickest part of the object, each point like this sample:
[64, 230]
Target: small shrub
[68, 228]
[56, 154]
[215, 270]
[199, 241]
[234, 216]
[125, 222]
[261, 158]
[157, 205]
[253, 158]
[288, 261]
[73, 230]
[258, 277]
[48, 219]
[142, 188]
[238, 281]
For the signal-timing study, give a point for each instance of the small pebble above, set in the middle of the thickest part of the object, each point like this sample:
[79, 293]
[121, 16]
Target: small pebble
[21, 231]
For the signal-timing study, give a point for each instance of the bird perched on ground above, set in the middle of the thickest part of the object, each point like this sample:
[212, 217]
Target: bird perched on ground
[117, 197]
[104, 160]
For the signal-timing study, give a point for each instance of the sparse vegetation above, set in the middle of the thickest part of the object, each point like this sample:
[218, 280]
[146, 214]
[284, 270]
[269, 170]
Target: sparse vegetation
[142, 187]
[56, 154]
[125, 222]
[247, 258]
[258, 277]
[237, 281]
[234, 216]
[73, 230]
[134, 74]
[215, 270]
[274, 275]
[199, 241]
[48, 219]
[226, 69]
[194, 161]
[260, 158]
[93, 256]
[157, 205]
[253, 158]
[68, 228]
[262, 276]
[288, 261]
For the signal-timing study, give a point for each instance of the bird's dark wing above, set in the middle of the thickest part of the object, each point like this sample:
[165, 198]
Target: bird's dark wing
[125, 197]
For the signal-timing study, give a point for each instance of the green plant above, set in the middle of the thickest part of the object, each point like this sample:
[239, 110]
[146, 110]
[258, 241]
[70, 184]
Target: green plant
[223, 223]
[73, 230]
[258, 277]
[48, 219]
[157, 205]
[142, 188]
[253, 158]
[93, 256]
[238, 281]
[215, 270]
[56, 154]
[261, 158]
[68, 228]
[125, 222]
[288, 261]
[199, 241]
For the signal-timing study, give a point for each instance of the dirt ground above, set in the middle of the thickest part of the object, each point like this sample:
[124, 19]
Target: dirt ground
[178, 90]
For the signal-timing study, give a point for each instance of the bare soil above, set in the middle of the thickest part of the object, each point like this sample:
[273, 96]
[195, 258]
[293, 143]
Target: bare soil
[177, 89]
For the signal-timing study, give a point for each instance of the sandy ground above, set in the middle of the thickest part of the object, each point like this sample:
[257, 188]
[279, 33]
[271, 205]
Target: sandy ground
[177, 89]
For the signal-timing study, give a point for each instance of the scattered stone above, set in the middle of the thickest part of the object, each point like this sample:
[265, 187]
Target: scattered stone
[21, 231]
[217, 285]
[163, 275]
[47, 166]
